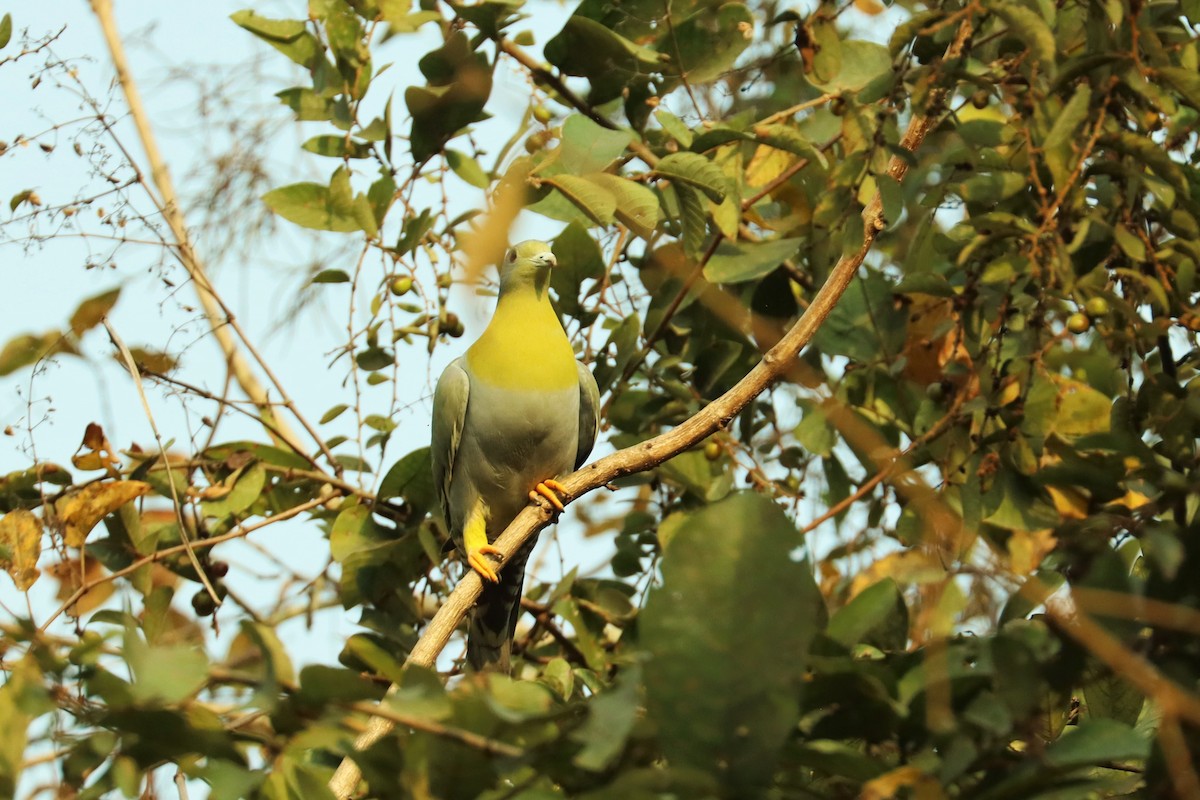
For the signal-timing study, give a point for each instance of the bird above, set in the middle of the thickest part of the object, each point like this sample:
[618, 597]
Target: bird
[510, 417]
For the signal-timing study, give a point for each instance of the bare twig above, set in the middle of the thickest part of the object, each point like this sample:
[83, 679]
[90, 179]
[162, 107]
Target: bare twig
[158, 555]
[220, 319]
[131, 365]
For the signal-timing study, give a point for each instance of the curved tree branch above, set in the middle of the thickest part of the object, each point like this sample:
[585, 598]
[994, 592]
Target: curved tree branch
[649, 454]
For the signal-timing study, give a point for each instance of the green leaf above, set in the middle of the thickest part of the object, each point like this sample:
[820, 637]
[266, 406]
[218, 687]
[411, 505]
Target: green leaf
[694, 170]
[814, 433]
[166, 674]
[29, 348]
[1057, 146]
[610, 719]
[5, 30]
[263, 452]
[1032, 29]
[284, 30]
[579, 259]
[587, 147]
[353, 530]
[734, 262]
[333, 413]
[705, 45]
[467, 168]
[827, 58]
[787, 137]
[396, 14]
[611, 62]
[637, 206]
[24, 196]
[331, 276]
[333, 146]
[374, 358]
[307, 105]
[460, 84]
[320, 684]
[596, 202]
[1082, 410]
[411, 478]
[1183, 80]
[1111, 696]
[861, 63]
[876, 616]
[288, 36]
[21, 684]
[311, 205]
[242, 495]
[692, 220]
[993, 187]
[674, 126]
[722, 684]
[1097, 741]
[91, 312]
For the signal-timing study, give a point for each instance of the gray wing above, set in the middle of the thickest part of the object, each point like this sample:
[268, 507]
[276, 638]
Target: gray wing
[589, 413]
[449, 415]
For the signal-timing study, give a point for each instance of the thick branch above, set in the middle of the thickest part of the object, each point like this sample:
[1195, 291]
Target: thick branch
[653, 452]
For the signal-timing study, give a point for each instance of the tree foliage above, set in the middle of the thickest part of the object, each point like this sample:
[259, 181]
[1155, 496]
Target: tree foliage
[951, 553]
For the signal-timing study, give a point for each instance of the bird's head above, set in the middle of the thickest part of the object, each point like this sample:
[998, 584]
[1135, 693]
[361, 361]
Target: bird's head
[527, 264]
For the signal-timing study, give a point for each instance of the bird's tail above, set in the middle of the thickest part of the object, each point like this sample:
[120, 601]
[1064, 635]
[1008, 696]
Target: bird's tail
[494, 620]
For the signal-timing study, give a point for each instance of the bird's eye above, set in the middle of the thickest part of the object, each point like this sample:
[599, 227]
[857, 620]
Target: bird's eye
[510, 256]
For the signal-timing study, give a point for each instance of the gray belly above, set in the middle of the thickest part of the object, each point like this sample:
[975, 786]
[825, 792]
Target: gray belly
[511, 441]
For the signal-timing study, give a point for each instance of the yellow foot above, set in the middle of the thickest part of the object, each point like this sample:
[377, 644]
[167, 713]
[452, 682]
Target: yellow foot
[478, 561]
[546, 489]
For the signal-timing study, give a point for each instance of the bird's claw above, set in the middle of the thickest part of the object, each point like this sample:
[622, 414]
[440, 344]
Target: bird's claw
[477, 558]
[549, 490]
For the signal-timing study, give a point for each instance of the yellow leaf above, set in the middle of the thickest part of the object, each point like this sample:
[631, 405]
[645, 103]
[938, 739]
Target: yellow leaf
[904, 566]
[1081, 409]
[1010, 393]
[1132, 500]
[88, 461]
[1069, 503]
[81, 511]
[889, 784]
[767, 164]
[73, 574]
[1026, 549]
[21, 534]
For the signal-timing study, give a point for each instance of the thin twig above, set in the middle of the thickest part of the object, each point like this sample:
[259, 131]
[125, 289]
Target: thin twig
[219, 316]
[131, 365]
[158, 555]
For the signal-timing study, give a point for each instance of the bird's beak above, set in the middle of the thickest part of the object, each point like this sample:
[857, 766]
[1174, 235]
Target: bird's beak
[547, 259]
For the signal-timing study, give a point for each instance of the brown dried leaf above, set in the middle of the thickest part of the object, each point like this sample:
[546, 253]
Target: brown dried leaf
[93, 436]
[81, 511]
[21, 536]
[73, 574]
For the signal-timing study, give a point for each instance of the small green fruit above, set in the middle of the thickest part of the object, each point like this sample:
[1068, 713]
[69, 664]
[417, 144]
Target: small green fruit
[712, 450]
[1097, 307]
[542, 114]
[401, 285]
[202, 603]
[1078, 323]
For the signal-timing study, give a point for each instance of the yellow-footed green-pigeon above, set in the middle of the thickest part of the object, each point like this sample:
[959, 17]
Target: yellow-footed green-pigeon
[510, 416]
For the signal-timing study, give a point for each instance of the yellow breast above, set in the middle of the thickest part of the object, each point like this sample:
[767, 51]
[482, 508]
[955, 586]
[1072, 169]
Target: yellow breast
[524, 347]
